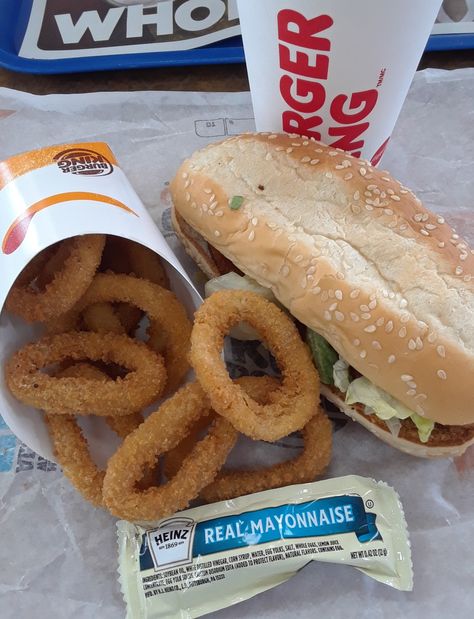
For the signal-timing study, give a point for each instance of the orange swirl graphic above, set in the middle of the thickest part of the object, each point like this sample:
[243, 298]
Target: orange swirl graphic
[16, 233]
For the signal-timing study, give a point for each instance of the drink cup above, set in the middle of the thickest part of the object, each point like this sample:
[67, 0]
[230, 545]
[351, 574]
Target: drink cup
[336, 71]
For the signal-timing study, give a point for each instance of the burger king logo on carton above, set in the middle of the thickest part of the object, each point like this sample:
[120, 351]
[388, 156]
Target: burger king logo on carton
[304, 55]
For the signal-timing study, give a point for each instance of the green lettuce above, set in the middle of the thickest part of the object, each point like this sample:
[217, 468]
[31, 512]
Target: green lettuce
[385, 406]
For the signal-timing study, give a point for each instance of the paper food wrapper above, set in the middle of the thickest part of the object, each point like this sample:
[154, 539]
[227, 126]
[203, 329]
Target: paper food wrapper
[60, 554]
[338, 71]
[49, 195]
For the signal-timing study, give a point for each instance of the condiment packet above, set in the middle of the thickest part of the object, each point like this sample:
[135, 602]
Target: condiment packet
[210, 557]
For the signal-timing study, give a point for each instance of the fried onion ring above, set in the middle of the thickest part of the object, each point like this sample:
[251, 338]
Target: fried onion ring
[101, 318]
[67, 285]
[70, 446]
[290, 406]
[163, 310]
[139, 388]
[160, 432]
[229, 484]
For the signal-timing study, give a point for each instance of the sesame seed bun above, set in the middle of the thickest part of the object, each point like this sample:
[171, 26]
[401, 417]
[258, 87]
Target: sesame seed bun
[351, 253]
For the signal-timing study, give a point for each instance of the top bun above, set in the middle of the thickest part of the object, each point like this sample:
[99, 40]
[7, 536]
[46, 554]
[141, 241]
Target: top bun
[352, 254]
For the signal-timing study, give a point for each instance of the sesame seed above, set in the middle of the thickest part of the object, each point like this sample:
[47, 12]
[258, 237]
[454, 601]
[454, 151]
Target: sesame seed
[254, 221]
[391, 359]
[370, 329]
[333, 306]
[368, 206]
[412, 345]
[411, 392]
[441, 351]
[332, 153]
[390, 192]
[403, 303]
[421, 396]
[430, 226]
[389, 326]
[213, 205]
[207, 190]
[327, 315]
[363, 354]
[380, 321]
[357, 195]
[305, 159]
[388, 211]
[362, 171]
[404, 318]
[316, 290]
[355, 209]
[424, 232]
[441, 244]
[366, 316]
[386, 179]
[356, 342]
[417, 217]
[368, 194]
[442, 374]
[412, 384]
[441, 220]
[376, 345]
[328, 174]
[305, 143]
[458, 271]
[403, 227]
[348, 176]
[432, 337]
[296, 143]
[193, 205]
[314, 161]
[219, 213]
[395, 197]
[268, 157]
[340, 275]
[311, 270]
[338, 294]
[188, 196]
[289, 150]
[463, 257]
[364, 308]
[251, 235]
[285, 270]
[354, 294]
[371, 187]
[339, 316]
[299, 258]
[217, 233]
[354, 317]
[406, 378]
[304, 283]
[187, 183]
[184, 175]
[373, 304]
[419, 343]
[403, 332]
[425, 217]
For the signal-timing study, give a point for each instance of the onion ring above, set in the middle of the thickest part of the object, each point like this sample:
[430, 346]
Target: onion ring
[229, 484]
[70, 445]
[162, 431]
[101, 318]
[67, 286]
[290, 406]
[137, 390]
[161, 306]
[145, 264]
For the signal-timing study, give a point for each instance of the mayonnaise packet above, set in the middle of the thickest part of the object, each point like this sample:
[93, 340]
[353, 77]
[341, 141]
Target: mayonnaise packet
[210, 557]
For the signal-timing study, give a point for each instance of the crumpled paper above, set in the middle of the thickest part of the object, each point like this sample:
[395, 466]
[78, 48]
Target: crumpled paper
[58, 554]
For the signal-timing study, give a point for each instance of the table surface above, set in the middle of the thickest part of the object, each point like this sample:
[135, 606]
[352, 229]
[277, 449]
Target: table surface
[223, 78]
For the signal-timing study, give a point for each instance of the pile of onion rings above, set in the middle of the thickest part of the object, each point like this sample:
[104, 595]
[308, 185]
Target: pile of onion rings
[95, 360]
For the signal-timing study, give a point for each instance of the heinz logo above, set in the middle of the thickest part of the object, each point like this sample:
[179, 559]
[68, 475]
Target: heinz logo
[171, 543]
[84, 162]
[305, 60]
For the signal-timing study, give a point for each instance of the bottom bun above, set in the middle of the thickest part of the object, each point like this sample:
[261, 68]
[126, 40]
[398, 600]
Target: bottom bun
[451, 441]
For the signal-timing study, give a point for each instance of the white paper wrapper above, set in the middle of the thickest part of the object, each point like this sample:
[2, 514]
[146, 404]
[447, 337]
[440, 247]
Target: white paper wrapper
[338, 71]
[59, 553]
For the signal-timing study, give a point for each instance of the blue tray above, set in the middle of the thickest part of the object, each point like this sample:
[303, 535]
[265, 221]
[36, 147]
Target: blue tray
[13, 19]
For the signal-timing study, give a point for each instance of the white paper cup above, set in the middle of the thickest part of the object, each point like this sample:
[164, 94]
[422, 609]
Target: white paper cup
[337, 71]
[50, 195]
